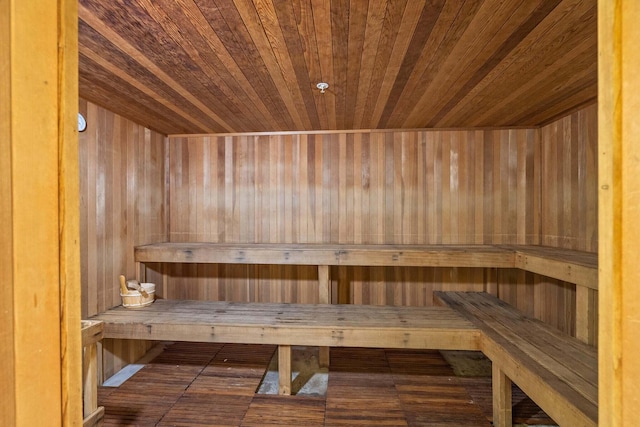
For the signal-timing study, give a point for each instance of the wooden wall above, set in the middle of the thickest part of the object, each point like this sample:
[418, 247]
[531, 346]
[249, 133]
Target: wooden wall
[525, 186]
[411, 187]
[453, 186]
[568, 219]
[122, 194]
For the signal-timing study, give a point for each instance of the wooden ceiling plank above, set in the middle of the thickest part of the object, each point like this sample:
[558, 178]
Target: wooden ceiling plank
[268, 17]
[340, 37]
[358, 14]
[304, 16]
[322, 23]
[142, 110]
[561, 35]
[146, 34]
[187, 27]
[255, 63]
[249, 15]
[426, 24]
[554, 101]
[134, 53]
[511, 41]
[292, 35]
[564, 68]
[455, 17]
[209, 78]
[486, 32]
[405, 30]
[231, 57]
[135, 83]
[388, 35]
[237, 39]
[94, 49]
[373, 32]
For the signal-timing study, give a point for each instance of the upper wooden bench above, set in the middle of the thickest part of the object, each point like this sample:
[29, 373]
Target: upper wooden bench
[557, 371]
[580, 268]
[576, 267]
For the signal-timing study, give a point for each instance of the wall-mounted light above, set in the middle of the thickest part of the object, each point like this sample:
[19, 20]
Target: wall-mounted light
[322, 86]
[82, 123]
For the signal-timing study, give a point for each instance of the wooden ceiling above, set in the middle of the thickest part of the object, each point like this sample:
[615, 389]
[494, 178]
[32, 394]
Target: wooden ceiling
[203, 66]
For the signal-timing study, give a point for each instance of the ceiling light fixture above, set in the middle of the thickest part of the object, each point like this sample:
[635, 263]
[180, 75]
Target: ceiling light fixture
[322, 86]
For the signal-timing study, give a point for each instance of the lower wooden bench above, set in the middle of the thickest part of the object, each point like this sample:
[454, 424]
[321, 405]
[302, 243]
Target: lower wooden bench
[557, 371]
[286, 325]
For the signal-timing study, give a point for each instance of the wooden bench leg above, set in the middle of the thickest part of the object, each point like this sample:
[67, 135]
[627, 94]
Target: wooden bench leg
[324, 287]
[284, 369]
[586, 322]
[501, 384]
[323, 357]
[90, 376]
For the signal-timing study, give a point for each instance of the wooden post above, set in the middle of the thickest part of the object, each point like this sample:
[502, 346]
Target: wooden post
[39, 214]
[324, 287]
[501, 385]
[324, 284]
[586, 327]
[284, 369]
[618, 211]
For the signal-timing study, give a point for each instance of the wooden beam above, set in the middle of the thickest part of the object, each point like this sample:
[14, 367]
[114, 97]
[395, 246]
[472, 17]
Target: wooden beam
[39, 241]
[318, 254]
[69, 213]
[619, 210]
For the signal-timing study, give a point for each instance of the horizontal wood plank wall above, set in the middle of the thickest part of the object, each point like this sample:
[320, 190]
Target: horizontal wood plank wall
[402, 187]
[568, 219]
[122, 187]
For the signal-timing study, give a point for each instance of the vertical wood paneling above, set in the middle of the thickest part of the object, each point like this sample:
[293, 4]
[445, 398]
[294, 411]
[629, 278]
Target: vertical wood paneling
[569, 181]
[500, 186]
[400, 187]
[382, 187]
[122, 188]
[564, 184]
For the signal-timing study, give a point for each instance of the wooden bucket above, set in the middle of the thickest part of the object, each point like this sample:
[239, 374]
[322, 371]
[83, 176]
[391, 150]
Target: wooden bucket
[134, 299]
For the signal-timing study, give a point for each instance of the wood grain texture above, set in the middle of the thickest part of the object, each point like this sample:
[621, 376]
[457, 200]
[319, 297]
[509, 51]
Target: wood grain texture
[556, 370]
[569, 210]
[122, 188]
[347, 188]
[241, 66]
[40, 296]
[331, 325]
[619, 203]
[397, 187]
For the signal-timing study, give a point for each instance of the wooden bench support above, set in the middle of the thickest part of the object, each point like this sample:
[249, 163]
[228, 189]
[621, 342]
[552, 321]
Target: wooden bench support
[284, 370]
[578, 267]
[502, 408]
[92, 332]
[324, 297]
[555, 370]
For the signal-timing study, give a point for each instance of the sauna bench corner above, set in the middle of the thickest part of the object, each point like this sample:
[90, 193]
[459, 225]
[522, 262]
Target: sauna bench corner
[580, 268]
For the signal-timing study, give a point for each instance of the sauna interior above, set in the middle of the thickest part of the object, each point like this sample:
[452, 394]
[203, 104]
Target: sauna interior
[444, 123]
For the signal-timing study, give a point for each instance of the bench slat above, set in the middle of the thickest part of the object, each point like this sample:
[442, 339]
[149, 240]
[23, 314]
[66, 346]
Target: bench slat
[580, 268]
[544, 341]
[561, 382]
[320, 254]
[293, 324]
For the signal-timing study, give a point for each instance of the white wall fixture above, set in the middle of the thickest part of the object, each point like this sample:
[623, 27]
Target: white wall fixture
[82, 123]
